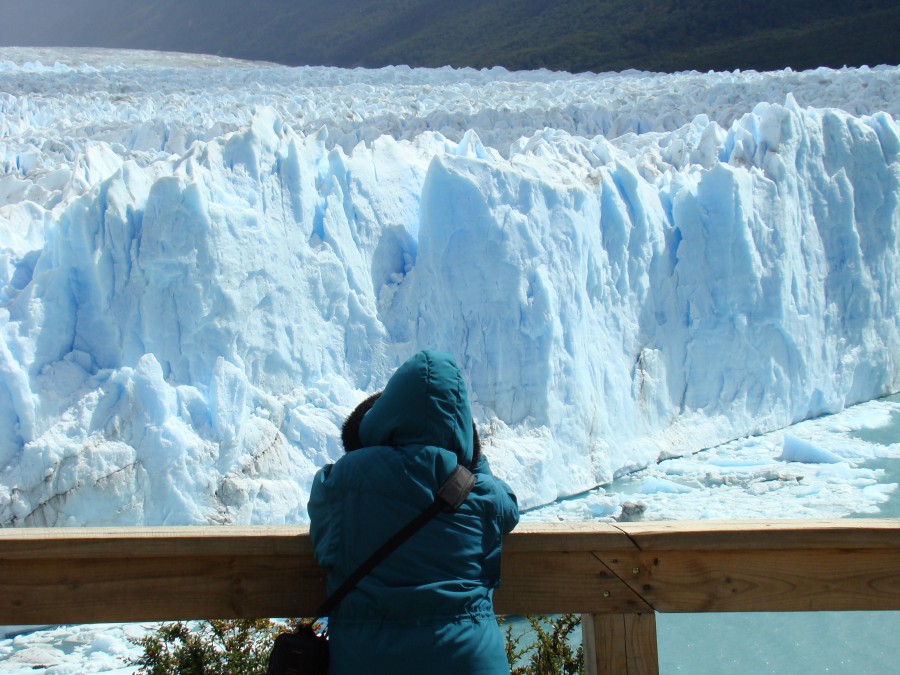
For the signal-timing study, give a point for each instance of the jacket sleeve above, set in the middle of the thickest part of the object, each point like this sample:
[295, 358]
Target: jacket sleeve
[482, 466]
[509, 508]
[323, 525]
[506, 502]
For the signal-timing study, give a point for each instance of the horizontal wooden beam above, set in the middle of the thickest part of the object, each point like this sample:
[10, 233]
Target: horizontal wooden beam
[61, 575]
[786, 534]
[64, 575]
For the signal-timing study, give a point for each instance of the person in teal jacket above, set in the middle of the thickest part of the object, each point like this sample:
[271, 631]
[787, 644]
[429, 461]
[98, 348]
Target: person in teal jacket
[428, 608]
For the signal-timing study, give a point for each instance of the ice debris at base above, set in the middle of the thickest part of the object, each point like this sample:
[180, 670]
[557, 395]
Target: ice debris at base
[798, 450]
[67, 650]
[204, 264]
[814, 469]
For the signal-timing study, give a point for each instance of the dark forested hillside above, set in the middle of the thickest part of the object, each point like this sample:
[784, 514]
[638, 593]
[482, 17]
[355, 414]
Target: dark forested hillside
[574, 35]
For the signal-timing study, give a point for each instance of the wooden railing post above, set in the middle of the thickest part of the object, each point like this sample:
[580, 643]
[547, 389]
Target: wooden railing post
[620, 644]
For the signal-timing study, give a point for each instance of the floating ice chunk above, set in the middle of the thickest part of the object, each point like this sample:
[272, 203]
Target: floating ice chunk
[739, 463]
[655, 485]
[602, 510]
[798, 450]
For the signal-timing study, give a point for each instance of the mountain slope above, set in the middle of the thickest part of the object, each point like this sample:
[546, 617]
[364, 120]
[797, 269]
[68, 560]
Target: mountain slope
[575, 35]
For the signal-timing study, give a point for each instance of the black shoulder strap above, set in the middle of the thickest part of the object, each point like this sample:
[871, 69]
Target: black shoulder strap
[449, 497]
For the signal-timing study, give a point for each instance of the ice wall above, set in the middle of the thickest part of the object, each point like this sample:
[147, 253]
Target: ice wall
[726, 284]
[181, 338]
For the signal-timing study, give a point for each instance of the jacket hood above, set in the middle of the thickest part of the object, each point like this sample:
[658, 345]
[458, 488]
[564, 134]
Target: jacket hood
[424, 403]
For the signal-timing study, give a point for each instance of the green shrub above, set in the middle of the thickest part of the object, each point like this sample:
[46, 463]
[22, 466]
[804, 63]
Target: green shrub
[228, 647]
[217, 647]
[551, 652]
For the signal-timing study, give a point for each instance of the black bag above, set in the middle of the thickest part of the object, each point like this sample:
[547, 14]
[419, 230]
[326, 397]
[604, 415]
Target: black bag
[303, 652]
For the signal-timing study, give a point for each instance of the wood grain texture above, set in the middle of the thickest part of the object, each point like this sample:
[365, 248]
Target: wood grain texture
[765, 580]
[709, 535]
[549, 582]
[620, 644]
[89, 590]
[64, 575]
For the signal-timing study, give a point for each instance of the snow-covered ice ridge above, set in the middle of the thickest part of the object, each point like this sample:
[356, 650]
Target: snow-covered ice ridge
[205, 264]
[147, 105]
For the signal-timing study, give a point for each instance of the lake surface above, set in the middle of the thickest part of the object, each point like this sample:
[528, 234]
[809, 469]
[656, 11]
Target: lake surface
[787, 643]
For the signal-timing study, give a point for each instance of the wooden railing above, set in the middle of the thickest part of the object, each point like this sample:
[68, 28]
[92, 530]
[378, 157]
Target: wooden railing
[616, 576]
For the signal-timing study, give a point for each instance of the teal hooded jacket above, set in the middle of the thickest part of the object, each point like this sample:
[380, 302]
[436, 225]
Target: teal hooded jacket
[428, 608]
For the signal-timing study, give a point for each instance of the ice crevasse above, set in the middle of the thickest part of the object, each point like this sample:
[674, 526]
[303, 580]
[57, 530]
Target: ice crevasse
[181, 343]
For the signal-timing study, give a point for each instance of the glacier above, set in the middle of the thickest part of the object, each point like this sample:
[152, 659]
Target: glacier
[206, 263]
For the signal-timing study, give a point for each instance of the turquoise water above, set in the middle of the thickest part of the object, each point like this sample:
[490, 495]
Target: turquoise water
[886, 435]
[788, 643]
[890, 508]
[802, 643]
